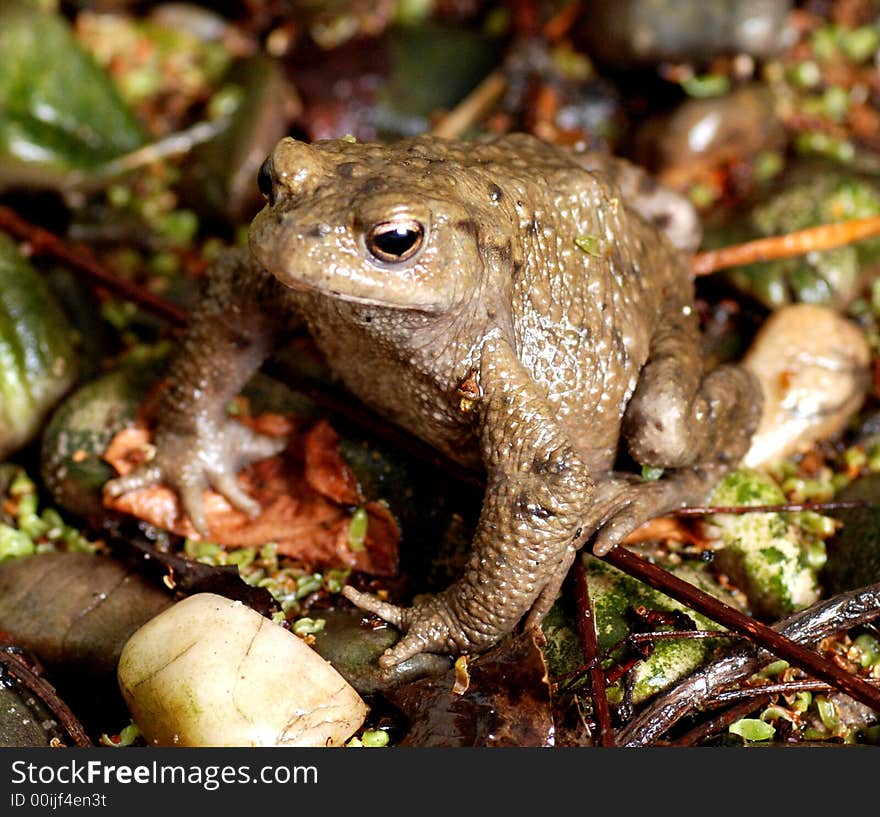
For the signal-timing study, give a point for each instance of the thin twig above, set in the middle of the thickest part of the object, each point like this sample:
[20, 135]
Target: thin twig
[587, 631]
[45, 692]
[783, 507]
[839, 613]
[748, 699]
[472, 107]
[772, 640]
[675, 635]
[80, 257]
[719, 722]
[823, 237]
[174, 144]
[575, 675]
[781, 688]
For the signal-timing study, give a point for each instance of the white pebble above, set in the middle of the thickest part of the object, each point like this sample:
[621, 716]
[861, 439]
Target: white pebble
[813, 365]
[208, 671]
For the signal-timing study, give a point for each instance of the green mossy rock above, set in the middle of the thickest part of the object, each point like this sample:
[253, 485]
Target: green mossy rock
[614, 594]
[809, 195]
[854, 551]
[38, 361]
[769, 556]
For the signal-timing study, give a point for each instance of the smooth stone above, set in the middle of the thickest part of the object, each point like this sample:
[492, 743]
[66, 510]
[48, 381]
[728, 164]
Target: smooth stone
[630, 33]
[213, 672]
[813, 365]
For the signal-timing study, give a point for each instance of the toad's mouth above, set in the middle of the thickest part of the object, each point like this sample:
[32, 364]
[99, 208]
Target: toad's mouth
[322, 288]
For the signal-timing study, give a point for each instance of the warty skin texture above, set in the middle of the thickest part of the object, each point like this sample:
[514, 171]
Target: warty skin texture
[521, 269]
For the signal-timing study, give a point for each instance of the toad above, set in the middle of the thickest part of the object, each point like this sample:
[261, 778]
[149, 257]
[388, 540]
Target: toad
[525, 309]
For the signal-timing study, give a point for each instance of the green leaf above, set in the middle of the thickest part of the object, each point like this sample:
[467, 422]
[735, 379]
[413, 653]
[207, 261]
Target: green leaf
[59, 110]
[357, 529]
[752, 729]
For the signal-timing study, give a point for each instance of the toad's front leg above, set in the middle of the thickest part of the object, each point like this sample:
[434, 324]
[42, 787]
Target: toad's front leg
[197, 445]
[538, 494]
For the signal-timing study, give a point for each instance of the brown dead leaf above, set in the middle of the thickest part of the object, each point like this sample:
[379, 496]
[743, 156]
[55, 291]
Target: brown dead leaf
[308, 495]
[669, 529]
[325, 470]
[507, 701]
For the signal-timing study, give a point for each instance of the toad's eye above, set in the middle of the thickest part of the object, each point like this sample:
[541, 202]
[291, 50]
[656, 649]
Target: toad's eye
[264, 180]
[395, 241]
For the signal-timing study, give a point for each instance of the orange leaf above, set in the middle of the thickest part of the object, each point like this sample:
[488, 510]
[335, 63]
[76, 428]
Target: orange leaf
[308, 495]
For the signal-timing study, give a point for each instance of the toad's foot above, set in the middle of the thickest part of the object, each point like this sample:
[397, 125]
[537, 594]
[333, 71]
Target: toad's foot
[192, 464]
[431, 625]
[631, 502]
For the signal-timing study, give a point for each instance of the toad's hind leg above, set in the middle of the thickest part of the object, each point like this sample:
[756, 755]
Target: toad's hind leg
[695, 426]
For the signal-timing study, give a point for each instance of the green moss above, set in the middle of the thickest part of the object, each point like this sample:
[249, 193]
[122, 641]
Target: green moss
[614, 594]
[771, 556]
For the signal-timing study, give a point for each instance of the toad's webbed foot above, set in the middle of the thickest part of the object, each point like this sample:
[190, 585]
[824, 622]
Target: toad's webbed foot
[190, 464]
[625, 503]
[431, 625]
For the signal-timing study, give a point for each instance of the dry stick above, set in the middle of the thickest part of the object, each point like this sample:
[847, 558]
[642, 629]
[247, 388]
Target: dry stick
[780, 688]
[175, 144]
[823, 237]
[587, 631]
[782, 507]
[673, 635]
[841, 612]
[472, 107]
[43, 242]
[732, 618]
[44, 691]
[747, 701]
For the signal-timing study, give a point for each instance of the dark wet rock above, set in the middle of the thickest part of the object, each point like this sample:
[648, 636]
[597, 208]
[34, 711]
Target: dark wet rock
[75, 611]
[704, 135]
[353, 646]
[504, 702]
[628, 33]
[854, 551]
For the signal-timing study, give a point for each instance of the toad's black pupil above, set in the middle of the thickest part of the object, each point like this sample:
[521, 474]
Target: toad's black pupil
[396, 242]
[264, 179]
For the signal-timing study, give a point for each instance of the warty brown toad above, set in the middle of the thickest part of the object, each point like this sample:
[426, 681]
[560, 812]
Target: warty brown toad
[522, 308]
